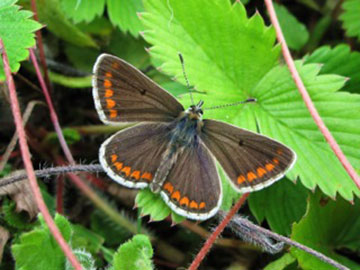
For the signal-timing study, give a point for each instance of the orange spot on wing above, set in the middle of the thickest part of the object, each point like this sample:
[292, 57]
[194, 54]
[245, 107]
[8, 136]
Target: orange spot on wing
[260, 171]
[169, 187]
[113, 158]
[108, 74]
[107, 83]
[269, 167]
[279, 151]
[184, 201]
[109, 93]
[147, 176]
[113, 113]
[126, 170]
[115, 65]
[202, 205]
[110, 103]
[118, 165]
[251, 176]
[276, 161]
[194, 205]
[176, 196]
[135, 174]
[241, 179]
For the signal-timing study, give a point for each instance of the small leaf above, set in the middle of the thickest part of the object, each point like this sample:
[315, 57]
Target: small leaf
[351, 18]
[152, 204]
[295, 33]
[38, 250]
[71, 136]
[84, 258]
[135, 254]
[12, 20]
[82, 10]
[123, 13]
[281, 263]
[282, 204]
[327, 225]
[51, 14]
[339, 60]
[86, 239]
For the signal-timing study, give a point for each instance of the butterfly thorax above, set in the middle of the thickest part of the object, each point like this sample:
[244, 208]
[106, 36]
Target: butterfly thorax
[183, 134]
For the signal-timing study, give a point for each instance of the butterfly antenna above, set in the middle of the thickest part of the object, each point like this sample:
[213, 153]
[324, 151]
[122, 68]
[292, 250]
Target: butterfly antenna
[231, 104]
[186, 79]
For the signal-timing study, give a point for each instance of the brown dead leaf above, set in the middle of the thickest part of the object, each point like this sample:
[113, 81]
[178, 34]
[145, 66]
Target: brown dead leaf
[4, 237]
[21, 193]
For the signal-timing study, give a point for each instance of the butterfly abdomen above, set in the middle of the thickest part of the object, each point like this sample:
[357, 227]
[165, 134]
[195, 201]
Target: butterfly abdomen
[183, 135]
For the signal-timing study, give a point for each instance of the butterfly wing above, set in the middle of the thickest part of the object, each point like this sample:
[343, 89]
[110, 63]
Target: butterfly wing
[123, 94]
[132, 156]
[250, 160]
[193, 188]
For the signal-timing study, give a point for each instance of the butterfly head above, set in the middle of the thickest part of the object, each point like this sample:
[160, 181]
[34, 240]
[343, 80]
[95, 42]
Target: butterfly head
[195, 111]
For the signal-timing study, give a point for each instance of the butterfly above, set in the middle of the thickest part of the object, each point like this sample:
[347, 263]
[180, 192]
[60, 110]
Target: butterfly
[172, 150]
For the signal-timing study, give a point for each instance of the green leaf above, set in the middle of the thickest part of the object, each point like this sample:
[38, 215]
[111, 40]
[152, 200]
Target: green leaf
[123, 13]
[85, 259]
[327, 225]
[351, 18]
[282, 204]
[135, 254]
[295, 33]
[17, 33]
[152, 204]
[281, 263]
[81, 57]
[71, 136]
[16, 220]
[339, 60]
[38, 250]
[6, 170]
[82, 10]
[281, 114]
[51, 14]
[228, 54]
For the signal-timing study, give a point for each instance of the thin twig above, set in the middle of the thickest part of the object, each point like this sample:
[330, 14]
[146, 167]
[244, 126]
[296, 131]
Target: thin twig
[240, 221]
[210, 241]
[53, 114]
[25, 152]
[40, 45]
[13, 141]
[309, 104]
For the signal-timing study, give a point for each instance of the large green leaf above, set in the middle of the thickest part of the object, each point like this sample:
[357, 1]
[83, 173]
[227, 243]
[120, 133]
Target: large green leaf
[51, 14]
[38, 250]
[82, 10]
[124, 13]
[328, 225]
[295, 33]
[17, 33]
[339, 60]
[351, 18]
[282, 204]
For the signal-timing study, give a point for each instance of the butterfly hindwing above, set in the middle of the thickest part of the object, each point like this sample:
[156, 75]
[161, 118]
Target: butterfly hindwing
[193, 188]
[251, 161]
[132, 156]
[123, 94]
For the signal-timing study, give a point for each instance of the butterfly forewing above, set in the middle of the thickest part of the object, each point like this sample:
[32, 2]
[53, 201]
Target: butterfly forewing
[193, 188]
[250, 160]
[123, 94]
[132, 156]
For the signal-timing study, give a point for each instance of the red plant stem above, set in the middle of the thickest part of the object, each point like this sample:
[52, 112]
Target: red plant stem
[53, 114]
[210, 241]
[28, 165]
[40, 45]
[60, 194]
[309, 104]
